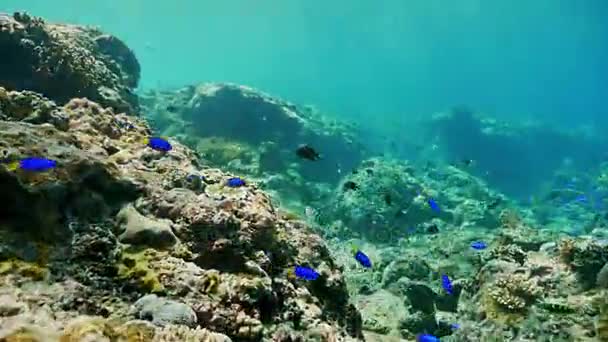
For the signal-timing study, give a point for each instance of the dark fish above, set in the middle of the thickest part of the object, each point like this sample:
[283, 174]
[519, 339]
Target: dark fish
[387, 199]
[191, 178]
[307, 152]
[124, 124]
[171, 108]
[34, 164]
[434, 206]
[305, 273]
[235, 182]
[363, 259]
[350, 185]
[446, 283]
[158, 144]
[478, 245]
[432, 229]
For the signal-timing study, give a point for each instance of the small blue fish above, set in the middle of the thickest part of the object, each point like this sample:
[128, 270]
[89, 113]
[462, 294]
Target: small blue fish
[446, 283]
[235, 182]
[410, 230]
[158, 144]
[455, 326]
[427, 338]
[34, 164]
[363, 259]
[478, 245]
[434, 206]
[305, 273]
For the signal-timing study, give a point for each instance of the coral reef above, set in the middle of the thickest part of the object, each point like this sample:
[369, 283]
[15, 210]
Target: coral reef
[62, 62]
[258, 133]
[108, 219]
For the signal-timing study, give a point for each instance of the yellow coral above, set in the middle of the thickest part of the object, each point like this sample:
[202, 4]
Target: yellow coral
[211, 281]
[136, 331]
[223, 151]
[23, 268]
[508, 297]
[88, 329]
[135, 265]
[27, 334]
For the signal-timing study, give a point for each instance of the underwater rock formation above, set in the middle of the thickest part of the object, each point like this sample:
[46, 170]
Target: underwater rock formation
[247, 130]
[116, 220]
[507, 155]
[390, 200]
[63, 62]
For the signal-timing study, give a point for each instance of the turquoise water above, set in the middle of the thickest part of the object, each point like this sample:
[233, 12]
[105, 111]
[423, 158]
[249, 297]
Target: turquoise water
[545, 59]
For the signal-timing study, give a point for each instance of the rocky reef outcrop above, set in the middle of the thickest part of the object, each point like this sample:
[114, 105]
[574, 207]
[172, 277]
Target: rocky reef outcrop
[385, 200]
[248, 131]
[63, 61]
[507, 154]
[118, 242]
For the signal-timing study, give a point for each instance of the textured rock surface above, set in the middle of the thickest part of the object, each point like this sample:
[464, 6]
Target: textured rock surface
[139, 230]
[257, 133]
[229, 262]
[67, 61]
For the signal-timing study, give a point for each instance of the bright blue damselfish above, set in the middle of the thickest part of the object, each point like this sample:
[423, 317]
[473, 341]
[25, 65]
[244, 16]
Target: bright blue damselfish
[36, 164]
[363, 259]
[235, 182]
[434, 206]
[427, 338]
[159, 144]
[446, 283]
[479, 245]
[306, 273]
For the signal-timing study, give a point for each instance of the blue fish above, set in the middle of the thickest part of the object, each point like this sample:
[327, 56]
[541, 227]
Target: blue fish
[34, 164]
[479, 245]
[446, 283]
[158, 144]
[434, 206]
[235, 182]
[305, 273]
[427, 338]
[455, 326]
[363, 259]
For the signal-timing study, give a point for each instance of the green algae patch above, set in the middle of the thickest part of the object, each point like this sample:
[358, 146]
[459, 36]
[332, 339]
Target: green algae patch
[134, 265]
[26, 269]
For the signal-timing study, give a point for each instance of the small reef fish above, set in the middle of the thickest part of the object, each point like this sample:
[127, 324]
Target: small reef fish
[362, 258]
[306, 273]
[446, 283]
[307, 152]
[478, 245]
[34, 164]
[433, 205]
[350, 185]
[427, 338]
[124, 124]
[158, 144]
[455, 326]
[388, 199]
[235, 182]
[191, 178]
